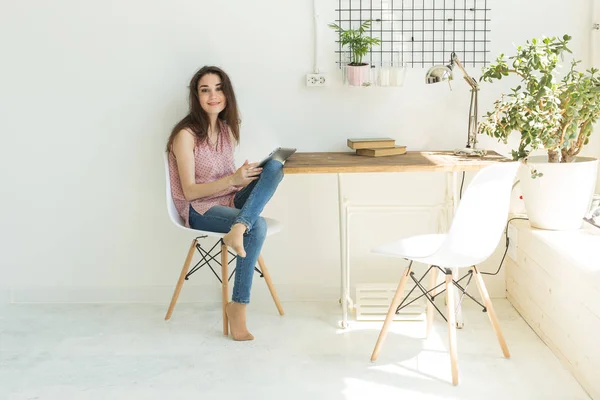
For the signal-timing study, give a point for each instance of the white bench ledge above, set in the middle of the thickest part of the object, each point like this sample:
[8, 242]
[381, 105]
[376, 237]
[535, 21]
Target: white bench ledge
[555, 286]
[571, 255]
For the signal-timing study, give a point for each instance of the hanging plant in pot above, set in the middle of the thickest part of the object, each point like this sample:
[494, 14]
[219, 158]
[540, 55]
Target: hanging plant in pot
[551, 114]
[359, 43]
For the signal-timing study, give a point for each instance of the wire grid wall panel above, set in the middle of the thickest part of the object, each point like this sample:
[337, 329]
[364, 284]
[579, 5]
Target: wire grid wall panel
[419, 33]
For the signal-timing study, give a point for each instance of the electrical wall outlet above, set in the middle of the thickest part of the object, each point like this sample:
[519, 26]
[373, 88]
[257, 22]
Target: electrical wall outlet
[316, 80]
[512, 242]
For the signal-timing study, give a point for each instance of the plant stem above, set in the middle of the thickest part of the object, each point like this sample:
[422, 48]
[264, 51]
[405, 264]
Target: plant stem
[516, 72]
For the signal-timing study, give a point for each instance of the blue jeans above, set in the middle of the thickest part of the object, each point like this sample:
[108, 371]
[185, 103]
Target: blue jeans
[249, 203]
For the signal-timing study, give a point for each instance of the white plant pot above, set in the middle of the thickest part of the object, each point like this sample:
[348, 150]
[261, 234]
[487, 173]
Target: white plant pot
[358, 75]
[560, 198]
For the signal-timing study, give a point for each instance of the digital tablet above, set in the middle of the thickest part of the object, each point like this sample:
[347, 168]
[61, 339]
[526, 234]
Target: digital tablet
[280, 154]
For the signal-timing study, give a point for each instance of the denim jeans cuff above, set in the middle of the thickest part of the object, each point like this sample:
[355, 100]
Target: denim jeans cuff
[242, 220]
[238, 300]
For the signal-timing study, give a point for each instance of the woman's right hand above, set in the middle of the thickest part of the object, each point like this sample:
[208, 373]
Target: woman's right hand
[246, 174]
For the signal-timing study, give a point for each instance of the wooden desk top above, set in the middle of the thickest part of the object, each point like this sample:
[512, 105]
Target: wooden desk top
[411, 161]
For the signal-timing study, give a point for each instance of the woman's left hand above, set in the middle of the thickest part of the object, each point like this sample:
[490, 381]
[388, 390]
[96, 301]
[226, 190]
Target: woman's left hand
[246, 174]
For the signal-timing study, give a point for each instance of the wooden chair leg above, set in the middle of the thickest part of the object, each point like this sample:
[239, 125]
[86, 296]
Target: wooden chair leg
[390, 315]
[184, 271]
[452, 327]
[430, 308]
[225, 285]
[267, 276]
[490, 311]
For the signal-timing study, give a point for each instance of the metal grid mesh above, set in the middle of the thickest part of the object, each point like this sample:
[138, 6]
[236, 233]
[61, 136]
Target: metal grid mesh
[419, 33]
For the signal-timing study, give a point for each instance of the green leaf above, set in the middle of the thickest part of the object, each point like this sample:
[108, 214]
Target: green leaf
[356, 40]
[540, 108]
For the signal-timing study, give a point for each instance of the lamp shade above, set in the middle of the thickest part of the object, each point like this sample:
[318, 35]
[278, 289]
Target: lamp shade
[438, 73]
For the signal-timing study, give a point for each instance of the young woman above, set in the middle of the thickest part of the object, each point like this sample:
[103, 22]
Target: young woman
[210, 193]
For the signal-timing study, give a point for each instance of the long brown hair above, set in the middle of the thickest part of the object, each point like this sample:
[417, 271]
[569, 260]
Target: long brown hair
[197, 120]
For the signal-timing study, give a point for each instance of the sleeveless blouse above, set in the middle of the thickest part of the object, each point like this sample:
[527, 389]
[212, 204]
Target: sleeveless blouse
[210, 164]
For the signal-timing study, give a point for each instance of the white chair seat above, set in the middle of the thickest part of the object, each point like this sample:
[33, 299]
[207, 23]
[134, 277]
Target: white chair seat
[434, 249]
[476, 228]
[273, 226]
[414, 247]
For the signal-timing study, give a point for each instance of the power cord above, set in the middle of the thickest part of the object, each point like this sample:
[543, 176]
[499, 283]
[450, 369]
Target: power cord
[505, 229]
[505, 250]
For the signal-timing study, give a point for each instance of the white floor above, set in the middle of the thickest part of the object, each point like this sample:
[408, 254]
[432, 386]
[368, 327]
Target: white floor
[129, 352]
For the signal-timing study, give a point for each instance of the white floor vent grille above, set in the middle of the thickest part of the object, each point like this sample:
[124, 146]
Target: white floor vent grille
[373, 302]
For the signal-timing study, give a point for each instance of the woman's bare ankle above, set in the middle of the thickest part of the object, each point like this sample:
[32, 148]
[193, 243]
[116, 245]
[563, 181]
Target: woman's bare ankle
[239, 227]
[235, 239]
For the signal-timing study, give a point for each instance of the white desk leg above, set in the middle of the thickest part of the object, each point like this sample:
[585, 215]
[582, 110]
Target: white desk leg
[345, 283]
[455, 271]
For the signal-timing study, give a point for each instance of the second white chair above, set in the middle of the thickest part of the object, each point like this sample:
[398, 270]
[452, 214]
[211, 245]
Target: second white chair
[474, 234]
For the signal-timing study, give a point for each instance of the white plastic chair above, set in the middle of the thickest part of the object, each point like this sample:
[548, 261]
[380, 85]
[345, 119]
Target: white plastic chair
[474, 234]
[273, 226]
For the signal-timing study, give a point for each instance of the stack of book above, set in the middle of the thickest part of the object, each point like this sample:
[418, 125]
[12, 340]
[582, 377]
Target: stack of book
[376, 147]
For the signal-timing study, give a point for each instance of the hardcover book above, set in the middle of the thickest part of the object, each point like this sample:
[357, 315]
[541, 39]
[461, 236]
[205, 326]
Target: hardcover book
[371, 143]
[387, 151]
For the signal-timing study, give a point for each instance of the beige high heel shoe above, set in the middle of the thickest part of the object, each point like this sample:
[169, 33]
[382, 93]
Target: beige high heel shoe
[238, 330]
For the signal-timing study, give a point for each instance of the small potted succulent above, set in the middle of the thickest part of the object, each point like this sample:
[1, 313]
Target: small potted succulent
[552, 114]
[359, 44]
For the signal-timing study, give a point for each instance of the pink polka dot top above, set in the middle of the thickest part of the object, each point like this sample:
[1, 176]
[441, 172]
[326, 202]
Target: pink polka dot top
[211, 165]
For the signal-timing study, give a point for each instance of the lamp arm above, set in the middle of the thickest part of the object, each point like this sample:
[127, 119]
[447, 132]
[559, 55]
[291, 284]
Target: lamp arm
[473, 112]
[471, 81]
[473, 107]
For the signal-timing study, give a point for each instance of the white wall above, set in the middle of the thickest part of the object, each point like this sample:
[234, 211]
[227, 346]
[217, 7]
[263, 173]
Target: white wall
[89, 91]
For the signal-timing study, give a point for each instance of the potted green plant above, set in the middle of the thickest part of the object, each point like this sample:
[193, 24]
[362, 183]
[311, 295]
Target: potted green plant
[552, 114]
[359, 43]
